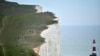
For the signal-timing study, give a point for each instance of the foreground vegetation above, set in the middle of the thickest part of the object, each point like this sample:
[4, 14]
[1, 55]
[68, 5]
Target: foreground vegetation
[21, 28]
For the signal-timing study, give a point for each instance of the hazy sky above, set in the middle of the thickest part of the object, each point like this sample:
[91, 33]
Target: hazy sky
[70, 12]
[75, 40]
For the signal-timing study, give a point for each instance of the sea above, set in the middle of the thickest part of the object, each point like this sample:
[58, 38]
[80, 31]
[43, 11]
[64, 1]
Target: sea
[76, 40]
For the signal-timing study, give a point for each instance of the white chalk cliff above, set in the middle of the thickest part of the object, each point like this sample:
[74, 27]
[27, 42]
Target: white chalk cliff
[51, 47]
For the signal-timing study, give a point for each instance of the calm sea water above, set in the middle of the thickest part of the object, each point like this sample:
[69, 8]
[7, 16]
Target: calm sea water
[77, 40]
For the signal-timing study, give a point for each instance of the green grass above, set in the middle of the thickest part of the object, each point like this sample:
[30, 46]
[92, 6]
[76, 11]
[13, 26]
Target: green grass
[1, 16]
[21, 32]
[1, 51]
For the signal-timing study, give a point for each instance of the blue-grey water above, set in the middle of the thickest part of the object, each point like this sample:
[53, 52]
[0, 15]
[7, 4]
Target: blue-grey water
[77, 40]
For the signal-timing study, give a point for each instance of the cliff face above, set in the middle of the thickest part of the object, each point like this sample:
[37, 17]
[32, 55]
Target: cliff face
[21, 27]
[51, 47]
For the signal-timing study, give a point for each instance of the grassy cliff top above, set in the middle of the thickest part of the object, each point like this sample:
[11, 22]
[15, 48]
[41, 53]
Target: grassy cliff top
[21, 27]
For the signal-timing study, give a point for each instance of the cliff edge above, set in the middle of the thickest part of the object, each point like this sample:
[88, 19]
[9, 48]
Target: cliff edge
[20, 28]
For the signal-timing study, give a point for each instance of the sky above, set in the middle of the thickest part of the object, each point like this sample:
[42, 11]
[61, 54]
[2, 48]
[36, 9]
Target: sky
[79, 21]
[70, 12]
